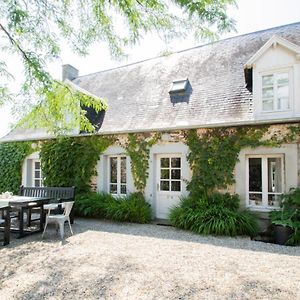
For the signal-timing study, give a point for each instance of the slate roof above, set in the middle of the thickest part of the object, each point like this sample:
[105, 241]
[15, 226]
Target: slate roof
[138, 98]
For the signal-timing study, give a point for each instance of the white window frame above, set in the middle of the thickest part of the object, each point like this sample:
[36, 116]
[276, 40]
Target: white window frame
[170, 156]
[273, 72]
[264, 158]
[119, 156]
[33, 173]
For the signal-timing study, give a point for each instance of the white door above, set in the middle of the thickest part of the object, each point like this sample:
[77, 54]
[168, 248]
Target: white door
[169, 183]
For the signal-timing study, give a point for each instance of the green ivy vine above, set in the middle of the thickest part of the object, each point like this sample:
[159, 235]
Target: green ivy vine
[138, 148]
[214, 154]
[12, 156]
[71, 161]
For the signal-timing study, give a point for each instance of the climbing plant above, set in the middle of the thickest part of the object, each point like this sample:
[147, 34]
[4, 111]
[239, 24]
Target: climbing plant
[214, 154]
[138, 148]
[71, 161]
[12, 156]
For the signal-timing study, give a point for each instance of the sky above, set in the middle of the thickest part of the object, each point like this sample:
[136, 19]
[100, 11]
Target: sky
[250, 16]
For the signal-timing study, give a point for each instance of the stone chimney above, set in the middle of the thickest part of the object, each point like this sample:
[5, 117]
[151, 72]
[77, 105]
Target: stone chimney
[69, 72]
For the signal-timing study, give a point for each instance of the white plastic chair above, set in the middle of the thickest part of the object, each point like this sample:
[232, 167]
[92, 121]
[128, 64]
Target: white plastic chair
[60, 220]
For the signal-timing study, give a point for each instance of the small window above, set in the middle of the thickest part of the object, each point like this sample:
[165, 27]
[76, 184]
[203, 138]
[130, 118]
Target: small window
[265, 180]
[37, 173]
[276, 92]
[170, 174]
[179, 86]
[117, 175]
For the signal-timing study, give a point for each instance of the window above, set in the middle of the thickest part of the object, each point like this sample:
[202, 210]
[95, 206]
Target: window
[117, 175]
[179, 86]
[276, 92]
[264, 180]
[170, 174]
[37, 173]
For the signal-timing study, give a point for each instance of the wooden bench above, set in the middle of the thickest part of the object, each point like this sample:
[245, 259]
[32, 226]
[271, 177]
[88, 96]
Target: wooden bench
[57, 194]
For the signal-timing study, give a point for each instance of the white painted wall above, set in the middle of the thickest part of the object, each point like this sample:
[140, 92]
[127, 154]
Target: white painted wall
[275, 59]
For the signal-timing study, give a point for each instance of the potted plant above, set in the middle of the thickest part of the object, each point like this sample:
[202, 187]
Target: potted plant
[286, 221]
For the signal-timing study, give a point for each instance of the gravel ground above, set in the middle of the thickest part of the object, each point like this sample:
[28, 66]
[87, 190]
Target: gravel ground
[105, 260]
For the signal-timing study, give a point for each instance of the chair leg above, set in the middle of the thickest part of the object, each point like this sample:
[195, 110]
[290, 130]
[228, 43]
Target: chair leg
[61, 229]
[70, 226]
[46, 223]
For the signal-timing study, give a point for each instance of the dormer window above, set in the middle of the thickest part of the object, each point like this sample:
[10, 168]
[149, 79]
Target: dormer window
[276, 91]
[271, 75]
[179, 86]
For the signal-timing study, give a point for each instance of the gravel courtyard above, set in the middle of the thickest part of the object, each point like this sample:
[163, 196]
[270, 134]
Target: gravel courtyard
[105, 260]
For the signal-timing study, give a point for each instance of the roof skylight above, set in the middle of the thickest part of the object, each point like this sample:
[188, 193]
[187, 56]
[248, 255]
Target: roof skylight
[179, 86]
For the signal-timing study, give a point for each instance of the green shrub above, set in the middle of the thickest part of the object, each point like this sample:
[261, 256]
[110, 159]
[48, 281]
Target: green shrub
[132, 208]
[217, 215]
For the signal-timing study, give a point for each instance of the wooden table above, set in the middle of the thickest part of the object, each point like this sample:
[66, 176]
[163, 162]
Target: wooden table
[5, 213]
[22, 204]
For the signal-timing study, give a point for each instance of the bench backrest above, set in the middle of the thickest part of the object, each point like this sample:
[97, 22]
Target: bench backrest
[57, 193]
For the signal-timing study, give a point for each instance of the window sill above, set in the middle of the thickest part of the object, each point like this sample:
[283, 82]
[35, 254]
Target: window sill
[262, 208]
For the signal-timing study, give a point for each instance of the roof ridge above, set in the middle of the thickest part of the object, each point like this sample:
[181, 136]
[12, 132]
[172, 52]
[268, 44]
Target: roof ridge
[188, 49]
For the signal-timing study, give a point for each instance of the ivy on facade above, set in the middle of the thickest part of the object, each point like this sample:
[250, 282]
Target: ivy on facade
[214, 154]
[12, 156]
[138, 148]
[71, 161]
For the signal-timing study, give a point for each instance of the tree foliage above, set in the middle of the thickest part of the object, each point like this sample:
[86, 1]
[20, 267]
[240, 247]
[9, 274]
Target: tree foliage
[35, 29]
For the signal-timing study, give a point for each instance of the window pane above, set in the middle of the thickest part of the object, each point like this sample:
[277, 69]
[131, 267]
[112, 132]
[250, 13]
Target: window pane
[268, 92]
[267, 80]
[37, 174]
[113, 188]
[283, 103]
[176, 162]
[165, 162]
[268, 104]
[175, 174]
[37, 183]
[255, 199]
[123, 169]
[37, 165]
[164, 185]
[165, 174]
[274, 200]
[283, 91]
[255, 176]
[176, 186]
[113, 169]
[283, 78]
[274, 175]
[123, 189]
